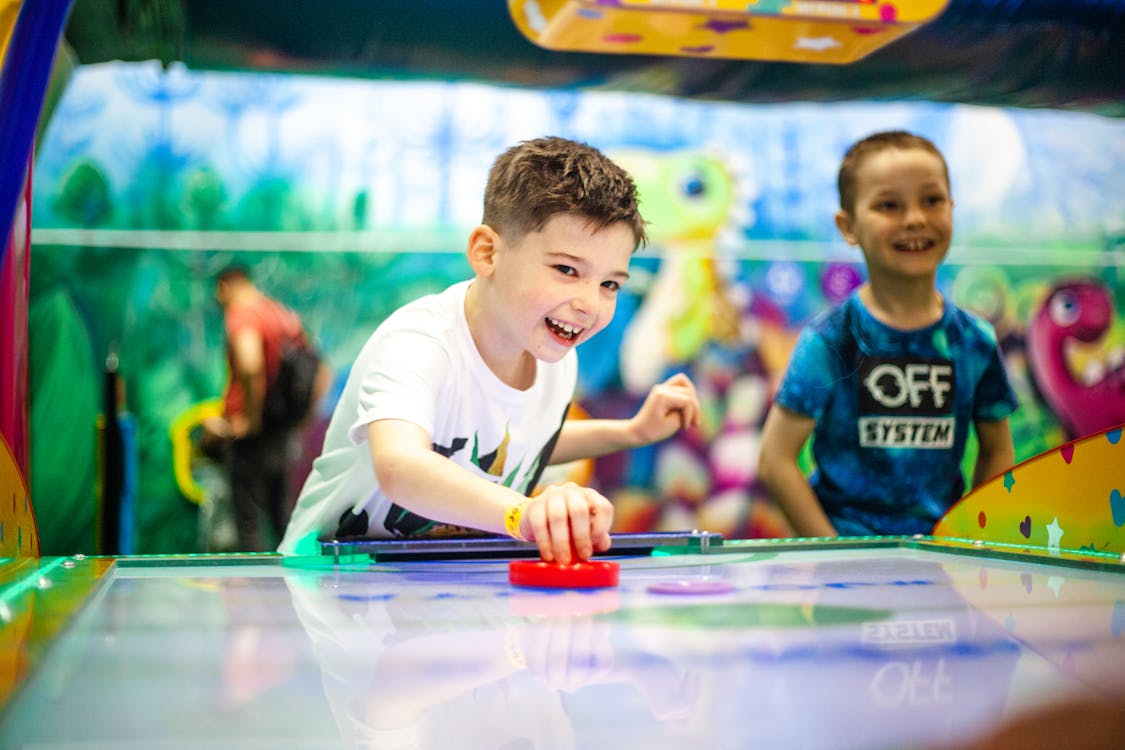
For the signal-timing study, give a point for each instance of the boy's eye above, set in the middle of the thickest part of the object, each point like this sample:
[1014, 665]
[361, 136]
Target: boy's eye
[612, 286]
[565, 270]
[936, 200]
[886, 205]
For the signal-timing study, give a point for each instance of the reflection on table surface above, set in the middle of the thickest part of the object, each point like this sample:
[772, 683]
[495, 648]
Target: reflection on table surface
[826, 649]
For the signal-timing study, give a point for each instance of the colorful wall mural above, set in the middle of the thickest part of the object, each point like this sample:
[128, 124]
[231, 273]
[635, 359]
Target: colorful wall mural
[349, 197]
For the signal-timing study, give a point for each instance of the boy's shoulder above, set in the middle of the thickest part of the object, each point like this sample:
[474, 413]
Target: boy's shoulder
[438, 308]
[429, 328]
[970, 324]
[834, 321]
[843, 318]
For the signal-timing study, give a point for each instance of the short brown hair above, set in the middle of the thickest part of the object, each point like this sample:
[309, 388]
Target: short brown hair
[874, 144]
[232, 272]
[537, 179]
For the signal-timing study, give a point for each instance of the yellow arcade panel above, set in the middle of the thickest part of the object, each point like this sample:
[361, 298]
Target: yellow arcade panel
[811, 31]
[19, 536]
[1070, 497]
[9, 9]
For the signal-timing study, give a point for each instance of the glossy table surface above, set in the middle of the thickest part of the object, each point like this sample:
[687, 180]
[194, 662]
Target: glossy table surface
[881, 644]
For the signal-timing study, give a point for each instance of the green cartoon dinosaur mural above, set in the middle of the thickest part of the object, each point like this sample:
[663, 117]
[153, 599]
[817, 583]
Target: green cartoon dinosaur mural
[687, 198]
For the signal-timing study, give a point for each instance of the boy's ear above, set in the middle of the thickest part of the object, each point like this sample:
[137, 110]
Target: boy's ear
[844, 224]
[482, 249]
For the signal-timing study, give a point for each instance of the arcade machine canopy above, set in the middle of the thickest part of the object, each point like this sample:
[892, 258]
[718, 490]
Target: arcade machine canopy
[1062, 54]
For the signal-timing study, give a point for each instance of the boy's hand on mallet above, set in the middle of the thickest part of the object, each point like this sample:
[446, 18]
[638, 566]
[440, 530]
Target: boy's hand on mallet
[566, 520]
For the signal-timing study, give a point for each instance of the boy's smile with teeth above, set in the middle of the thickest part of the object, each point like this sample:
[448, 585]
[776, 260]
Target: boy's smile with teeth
[901, 216]
[563, 330]
[540, 296]
[913, 246]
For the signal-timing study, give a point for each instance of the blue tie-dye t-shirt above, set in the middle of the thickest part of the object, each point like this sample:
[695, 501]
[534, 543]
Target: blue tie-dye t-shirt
[893, 410]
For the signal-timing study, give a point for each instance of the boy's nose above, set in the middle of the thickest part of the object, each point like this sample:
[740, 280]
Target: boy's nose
[586, 299]
[915, 214]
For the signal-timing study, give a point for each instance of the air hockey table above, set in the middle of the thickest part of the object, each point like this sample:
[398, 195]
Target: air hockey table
[847, 643]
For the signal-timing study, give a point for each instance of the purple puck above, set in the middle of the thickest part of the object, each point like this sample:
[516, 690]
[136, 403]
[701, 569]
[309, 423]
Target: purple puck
[704, 588]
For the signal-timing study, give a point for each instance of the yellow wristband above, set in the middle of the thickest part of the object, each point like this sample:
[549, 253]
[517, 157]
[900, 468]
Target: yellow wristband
[513, 517]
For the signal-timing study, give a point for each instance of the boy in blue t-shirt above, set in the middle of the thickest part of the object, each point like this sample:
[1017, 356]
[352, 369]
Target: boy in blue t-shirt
[888, 382]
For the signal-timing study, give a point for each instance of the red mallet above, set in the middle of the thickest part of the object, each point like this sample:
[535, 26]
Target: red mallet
[592, 574]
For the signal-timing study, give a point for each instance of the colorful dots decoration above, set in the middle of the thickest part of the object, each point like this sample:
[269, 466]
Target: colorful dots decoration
[816, 43]
[1117, 507]
[722, 26]
[778, 30]
[982, 519]
[1054, 535]
[1025, 527]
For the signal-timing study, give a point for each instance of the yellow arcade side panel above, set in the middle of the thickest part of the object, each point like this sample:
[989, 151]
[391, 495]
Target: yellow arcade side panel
[1071, 497]
[9, 9]
[19, 536]
[812, 31]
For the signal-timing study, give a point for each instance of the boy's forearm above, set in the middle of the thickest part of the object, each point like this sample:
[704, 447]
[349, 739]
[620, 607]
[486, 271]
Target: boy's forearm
[590, 438]
[790, 489]
[806, 515]
[669, 407]
[996, 451]
[433, 486]
[991, 464]
[563, 520]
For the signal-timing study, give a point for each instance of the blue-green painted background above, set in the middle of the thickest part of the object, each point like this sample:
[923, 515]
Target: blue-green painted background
[348, 198]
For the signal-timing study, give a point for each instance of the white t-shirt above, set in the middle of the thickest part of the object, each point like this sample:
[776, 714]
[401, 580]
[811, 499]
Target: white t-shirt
[422, 366]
